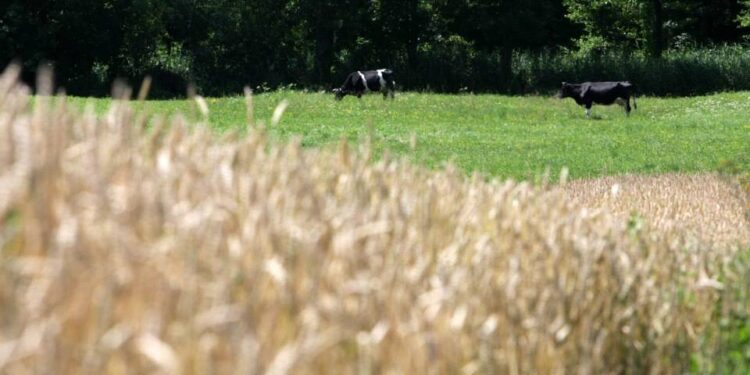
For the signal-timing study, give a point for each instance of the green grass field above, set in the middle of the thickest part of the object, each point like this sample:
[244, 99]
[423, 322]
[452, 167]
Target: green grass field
[516, 137]
[497, 135]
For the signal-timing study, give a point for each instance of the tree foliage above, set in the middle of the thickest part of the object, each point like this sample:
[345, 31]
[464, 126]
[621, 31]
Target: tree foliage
[653, 25]
[221, 45]
[744, 17]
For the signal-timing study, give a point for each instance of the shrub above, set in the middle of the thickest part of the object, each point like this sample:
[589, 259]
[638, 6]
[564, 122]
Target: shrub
[678, 72]
[446, 64]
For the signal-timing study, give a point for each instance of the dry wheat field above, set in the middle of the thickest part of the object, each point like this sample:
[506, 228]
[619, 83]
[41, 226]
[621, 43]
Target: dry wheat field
[129, 249]
[709, 208]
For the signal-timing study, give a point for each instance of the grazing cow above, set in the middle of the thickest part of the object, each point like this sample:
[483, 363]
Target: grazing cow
[363, 81]
[588, 93]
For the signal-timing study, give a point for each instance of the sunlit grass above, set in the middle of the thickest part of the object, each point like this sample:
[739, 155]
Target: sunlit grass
[516, 137]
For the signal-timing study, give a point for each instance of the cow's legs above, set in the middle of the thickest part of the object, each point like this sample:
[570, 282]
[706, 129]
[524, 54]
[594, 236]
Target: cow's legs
[392, 89]
[388, 91]
[627, 106]
[588, 110]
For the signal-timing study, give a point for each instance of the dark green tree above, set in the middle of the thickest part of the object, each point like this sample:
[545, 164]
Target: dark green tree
[653, 25]
[329, 26]
[744, 17]
[504, 26]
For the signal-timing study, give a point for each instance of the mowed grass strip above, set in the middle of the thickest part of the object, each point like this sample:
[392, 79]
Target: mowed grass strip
[507, 137]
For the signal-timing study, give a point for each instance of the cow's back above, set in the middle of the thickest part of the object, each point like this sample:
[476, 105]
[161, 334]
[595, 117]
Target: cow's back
[600, 87]
[606, 92]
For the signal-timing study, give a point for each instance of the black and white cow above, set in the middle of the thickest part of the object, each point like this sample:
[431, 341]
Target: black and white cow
[363, 81]
[588, 93]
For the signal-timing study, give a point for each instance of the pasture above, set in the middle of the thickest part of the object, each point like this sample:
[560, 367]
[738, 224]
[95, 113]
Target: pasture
[501, 136]
[177, 250]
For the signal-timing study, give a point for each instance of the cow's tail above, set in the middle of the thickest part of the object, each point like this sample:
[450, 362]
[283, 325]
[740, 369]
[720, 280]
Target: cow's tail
[635, 105]
[390, 82]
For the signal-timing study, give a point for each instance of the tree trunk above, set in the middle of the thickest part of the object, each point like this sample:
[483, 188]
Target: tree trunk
[323, 54]
[506, 68]
[657, 35]
[324, 28]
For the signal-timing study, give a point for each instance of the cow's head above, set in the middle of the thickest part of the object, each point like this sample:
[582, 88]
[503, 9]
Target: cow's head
[339, 94]
[566, 90]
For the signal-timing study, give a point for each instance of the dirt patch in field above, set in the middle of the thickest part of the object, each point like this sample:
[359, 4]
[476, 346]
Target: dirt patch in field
[708, 206]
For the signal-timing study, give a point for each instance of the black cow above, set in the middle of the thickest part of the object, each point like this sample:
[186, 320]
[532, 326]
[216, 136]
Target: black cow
[363, 81]
[588, 93]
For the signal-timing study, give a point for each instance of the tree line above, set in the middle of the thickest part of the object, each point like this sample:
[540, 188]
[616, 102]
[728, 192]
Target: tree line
[441, 45]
